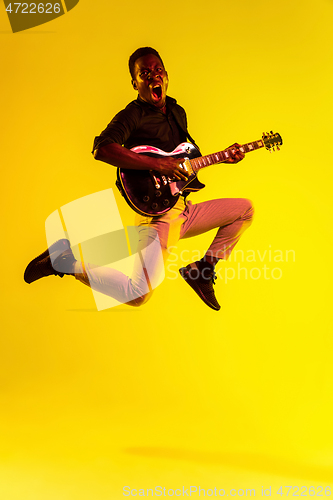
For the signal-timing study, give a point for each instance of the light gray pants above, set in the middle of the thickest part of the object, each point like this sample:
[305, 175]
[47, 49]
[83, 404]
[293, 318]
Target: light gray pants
[230, 215]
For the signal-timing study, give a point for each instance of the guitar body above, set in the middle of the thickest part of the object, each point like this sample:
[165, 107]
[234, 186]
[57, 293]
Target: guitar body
[151, 194]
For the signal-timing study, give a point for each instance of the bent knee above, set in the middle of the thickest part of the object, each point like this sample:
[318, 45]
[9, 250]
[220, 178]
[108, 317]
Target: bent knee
[139, 301]
[249, 209]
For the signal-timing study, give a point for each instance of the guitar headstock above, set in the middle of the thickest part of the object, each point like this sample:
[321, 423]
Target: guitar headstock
[272, 140]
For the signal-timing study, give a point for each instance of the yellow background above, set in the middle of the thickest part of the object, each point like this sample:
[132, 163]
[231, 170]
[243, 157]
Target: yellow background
[172, 393]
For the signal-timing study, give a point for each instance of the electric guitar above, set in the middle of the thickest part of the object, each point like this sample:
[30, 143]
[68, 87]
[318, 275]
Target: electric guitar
[151, 194]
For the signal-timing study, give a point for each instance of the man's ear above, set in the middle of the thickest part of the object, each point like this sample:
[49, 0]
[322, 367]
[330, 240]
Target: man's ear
[135, 87]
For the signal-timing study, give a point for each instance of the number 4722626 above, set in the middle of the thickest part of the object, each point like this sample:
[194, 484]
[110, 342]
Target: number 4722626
[33, 8]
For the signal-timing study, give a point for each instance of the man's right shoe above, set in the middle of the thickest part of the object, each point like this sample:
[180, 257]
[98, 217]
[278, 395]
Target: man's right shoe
[201, 277]
[57, 260]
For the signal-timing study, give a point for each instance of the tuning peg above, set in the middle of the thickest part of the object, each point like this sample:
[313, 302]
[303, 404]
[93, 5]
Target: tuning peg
[271, 132]
[277, 148]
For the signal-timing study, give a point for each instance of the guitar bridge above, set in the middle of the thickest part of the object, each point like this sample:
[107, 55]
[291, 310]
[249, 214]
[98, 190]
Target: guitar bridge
[187, 166]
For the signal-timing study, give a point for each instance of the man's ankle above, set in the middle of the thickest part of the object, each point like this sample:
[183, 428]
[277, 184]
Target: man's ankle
[208, 261]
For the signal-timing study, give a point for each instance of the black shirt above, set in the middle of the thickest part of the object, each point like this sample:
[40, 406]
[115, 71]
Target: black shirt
[143, 124]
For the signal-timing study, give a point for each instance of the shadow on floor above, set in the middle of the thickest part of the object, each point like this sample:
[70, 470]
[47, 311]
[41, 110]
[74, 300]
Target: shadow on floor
[250, 462]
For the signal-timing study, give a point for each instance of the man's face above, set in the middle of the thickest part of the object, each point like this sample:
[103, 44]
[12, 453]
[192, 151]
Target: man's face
[151, 80]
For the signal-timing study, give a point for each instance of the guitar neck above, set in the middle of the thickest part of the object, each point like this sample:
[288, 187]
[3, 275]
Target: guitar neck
[221, 156]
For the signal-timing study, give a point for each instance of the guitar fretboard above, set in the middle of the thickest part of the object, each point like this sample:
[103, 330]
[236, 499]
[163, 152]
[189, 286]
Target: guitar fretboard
[221, 156]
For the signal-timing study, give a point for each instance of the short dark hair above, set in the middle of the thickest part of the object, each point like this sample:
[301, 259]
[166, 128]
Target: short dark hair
[142, 51]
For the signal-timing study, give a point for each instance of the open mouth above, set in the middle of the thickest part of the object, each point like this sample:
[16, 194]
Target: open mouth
[156, 92]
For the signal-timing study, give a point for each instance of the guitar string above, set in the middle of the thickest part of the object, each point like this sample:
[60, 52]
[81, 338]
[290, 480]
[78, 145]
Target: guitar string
[196, 162]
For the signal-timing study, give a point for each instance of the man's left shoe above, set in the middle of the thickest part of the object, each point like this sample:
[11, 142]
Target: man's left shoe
[57, 260]
[201, 277]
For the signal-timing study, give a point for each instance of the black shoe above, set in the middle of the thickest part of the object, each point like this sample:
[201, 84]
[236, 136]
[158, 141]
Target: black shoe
[201, 277]
[56, 260]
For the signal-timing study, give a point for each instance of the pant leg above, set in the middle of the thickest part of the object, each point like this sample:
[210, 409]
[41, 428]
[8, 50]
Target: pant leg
[231, 215]
[133, 286]
[156, 237]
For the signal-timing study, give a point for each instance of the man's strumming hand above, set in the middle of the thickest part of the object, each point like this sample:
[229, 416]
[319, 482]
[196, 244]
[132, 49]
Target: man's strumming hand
[171, 167]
